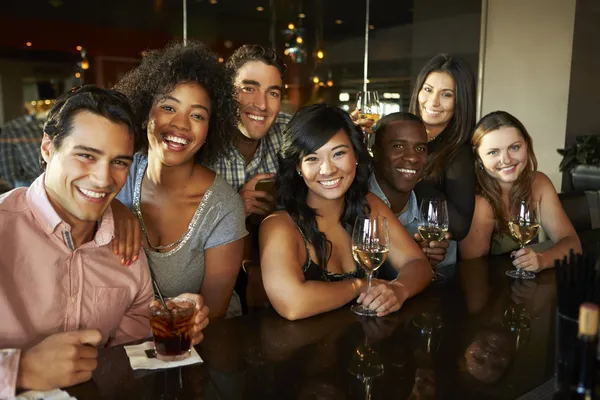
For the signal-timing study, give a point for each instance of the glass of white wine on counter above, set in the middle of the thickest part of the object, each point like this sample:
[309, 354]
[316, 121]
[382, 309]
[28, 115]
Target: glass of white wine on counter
[523, 225]
[433, 225]
[369, 108]
[370, 248]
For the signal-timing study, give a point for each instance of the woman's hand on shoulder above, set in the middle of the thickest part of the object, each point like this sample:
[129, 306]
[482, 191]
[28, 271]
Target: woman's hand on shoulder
[127, 236]
[384, 297]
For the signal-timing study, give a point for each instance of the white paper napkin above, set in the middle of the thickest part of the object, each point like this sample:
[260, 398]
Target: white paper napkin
[139, 360]
[56, 394]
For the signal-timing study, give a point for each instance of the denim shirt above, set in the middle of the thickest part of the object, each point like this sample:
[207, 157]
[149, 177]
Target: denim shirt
[410, 219]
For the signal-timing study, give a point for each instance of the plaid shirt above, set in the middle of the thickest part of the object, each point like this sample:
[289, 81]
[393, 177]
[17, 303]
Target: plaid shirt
[20, 142]
[233, 167]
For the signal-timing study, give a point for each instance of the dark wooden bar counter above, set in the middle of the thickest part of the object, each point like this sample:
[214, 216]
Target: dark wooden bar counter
[480, 335]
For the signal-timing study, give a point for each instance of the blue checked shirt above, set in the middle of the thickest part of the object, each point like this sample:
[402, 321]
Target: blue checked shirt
[233, 167]
[20, 142]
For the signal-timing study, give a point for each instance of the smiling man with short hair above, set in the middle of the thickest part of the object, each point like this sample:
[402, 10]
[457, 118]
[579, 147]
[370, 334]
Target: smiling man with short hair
[62, 290]
[400, 152]
[259, 84]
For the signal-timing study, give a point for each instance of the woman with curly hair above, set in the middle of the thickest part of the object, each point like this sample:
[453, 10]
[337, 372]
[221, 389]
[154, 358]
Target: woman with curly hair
[192, 220]
[507, 173]
[305, 246]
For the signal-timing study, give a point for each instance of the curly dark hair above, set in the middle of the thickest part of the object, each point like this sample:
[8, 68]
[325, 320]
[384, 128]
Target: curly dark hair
[255, 52]
[162, 70]
[311, 128]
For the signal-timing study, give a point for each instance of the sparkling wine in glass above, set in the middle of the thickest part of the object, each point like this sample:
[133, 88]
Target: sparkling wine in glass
[369, 108]
[370, 247]
[523, 224]
[433, 224]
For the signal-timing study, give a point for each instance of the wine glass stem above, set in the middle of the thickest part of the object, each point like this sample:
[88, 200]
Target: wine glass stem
[369, 277]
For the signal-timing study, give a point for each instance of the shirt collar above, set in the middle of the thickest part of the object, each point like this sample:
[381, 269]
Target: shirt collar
[376, 190]
[46, 215]
[412, 213]
[406, 217]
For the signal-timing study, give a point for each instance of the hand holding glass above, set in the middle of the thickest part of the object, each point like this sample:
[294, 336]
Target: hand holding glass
[370, 247]
[433, 224]
[369, 108]
[523, 224]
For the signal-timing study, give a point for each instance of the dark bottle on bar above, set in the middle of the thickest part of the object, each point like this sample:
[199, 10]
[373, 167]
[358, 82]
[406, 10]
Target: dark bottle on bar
[588, 342]
[585, 362]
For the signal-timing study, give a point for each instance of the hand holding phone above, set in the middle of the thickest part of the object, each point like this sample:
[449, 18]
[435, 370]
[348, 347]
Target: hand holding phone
[258, 194]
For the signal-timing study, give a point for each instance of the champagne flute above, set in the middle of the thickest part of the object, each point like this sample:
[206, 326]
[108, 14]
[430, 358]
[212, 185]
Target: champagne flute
[433, 224]
[369, 108]
[370, 247]
[523, 224]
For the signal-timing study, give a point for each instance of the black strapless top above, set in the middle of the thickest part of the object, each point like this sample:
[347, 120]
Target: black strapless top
[313, 271]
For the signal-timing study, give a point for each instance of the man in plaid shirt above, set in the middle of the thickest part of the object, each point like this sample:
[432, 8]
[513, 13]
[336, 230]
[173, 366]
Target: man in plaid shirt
[20, 150]
[259, 84]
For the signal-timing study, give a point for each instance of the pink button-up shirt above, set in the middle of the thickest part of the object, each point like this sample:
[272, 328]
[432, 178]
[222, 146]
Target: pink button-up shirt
[46, 286]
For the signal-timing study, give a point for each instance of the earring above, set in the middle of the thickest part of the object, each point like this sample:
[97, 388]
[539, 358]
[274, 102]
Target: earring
[299, 173]
[357, 163]
[480, 166]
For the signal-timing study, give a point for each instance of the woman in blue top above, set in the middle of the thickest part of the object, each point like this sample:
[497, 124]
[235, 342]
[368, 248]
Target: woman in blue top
[192, 220]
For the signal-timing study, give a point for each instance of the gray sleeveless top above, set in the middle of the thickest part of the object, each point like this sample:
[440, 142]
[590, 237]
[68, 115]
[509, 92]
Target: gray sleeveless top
[219, 219]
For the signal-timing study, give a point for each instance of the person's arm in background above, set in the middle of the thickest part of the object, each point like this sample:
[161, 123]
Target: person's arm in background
[223, 253]
[8, 169]
[555, 223]
[458, 190]
[477, 243]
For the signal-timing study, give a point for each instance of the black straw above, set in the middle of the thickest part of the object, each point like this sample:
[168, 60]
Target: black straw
[157, 290]
[577, 282]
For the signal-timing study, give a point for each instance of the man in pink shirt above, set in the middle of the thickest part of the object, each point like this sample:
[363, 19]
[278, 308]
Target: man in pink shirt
[62, 290]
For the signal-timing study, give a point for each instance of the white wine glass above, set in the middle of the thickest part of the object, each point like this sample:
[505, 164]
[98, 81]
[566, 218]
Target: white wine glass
[370, 247]
[523, 225]
[369, 108]
[433, 225]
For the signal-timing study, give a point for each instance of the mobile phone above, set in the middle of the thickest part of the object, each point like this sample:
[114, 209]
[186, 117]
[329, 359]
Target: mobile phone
[266, 185]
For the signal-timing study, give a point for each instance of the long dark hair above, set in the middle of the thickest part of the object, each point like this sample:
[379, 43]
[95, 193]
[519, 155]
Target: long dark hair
[162, 70]
[459, 128]
[310, 129]
[487, 186]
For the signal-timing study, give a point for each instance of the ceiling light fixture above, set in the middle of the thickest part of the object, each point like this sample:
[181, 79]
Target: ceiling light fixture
[260, 8]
